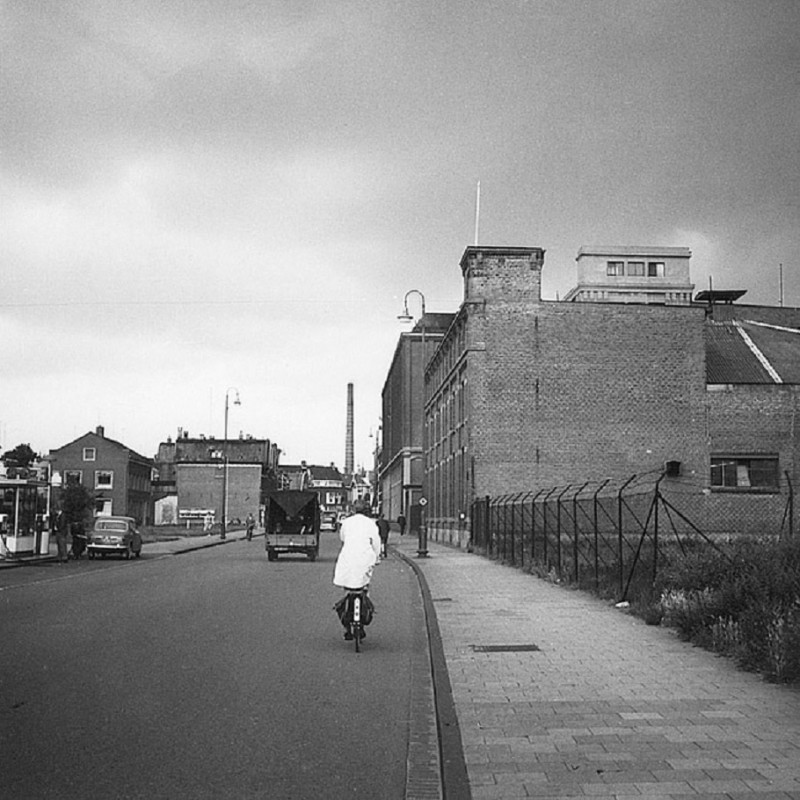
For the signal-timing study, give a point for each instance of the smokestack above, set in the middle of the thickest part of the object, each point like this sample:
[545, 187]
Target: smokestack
[348, 446]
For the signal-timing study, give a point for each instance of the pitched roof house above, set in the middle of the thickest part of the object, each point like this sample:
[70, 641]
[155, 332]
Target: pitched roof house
[119, 476]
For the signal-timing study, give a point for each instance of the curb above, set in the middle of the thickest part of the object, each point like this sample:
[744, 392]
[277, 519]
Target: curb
[32, 561]
[453, 779]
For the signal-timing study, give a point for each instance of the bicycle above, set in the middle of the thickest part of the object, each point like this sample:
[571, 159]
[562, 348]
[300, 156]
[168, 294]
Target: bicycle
[358, 610]
[356, 625]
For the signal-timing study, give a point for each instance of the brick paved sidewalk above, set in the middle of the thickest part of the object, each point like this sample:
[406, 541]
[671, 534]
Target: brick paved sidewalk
[608, 706]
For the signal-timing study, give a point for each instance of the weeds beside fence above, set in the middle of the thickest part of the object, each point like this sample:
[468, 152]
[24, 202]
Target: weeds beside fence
[636, 541]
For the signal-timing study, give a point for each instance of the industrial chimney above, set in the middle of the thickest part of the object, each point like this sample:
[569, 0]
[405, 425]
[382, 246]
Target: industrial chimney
[348, 446]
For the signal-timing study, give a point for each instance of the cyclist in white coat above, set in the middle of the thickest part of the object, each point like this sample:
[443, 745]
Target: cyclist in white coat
[361, 546]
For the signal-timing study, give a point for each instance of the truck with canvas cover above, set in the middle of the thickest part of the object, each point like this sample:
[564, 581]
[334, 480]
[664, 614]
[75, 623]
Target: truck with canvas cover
[291, 523]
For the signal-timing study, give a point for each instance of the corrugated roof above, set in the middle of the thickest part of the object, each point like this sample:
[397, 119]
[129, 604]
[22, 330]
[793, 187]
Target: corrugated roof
[780, 346]
[746, 351]
[729, 359]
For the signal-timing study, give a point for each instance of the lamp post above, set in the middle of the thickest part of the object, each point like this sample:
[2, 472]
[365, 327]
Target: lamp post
[224, 525]
[422, 544]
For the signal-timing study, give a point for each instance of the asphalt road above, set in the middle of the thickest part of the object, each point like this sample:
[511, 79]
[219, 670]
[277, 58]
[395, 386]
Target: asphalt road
[208, 674]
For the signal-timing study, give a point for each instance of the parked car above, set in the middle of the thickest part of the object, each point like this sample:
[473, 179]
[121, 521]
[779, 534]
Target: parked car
[114, 535]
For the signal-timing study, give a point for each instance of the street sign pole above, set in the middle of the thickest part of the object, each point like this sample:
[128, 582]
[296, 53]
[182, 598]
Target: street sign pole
[422, 543]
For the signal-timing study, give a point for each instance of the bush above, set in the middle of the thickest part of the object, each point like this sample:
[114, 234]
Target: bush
[743, 601]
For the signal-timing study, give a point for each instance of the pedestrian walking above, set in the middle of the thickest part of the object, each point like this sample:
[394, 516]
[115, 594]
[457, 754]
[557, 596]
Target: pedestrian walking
[401, 521]
[251, 524]
[383, 532]
[60, 532]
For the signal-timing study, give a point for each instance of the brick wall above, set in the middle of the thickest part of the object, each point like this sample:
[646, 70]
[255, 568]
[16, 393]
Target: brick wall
[572, 392]
[563, 393]
[200, 486]
[752, 420]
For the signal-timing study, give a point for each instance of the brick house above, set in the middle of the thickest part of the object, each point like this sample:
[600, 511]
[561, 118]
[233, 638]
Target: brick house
[524, 393]
[329, 485]
[119, 477]
[189, 484]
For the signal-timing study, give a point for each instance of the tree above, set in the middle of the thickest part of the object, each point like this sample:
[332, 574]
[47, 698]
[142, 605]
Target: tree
[77, 502]
[21, 456]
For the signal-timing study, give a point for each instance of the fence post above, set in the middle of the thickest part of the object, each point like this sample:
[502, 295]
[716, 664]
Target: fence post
[505, 527]
[597, 535]
[533, 525]
[558, 525]
[791, 503]
[619, 535]
[486, 522]
[491, 510]
[575, 531]
[656, 499]
[544, 531]
[514, 529]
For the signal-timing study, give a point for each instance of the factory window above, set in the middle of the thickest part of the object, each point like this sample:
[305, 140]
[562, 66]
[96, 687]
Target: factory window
[745, 474]
[636, 268]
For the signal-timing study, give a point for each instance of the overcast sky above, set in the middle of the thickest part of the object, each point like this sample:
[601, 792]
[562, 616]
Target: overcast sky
[202, 195]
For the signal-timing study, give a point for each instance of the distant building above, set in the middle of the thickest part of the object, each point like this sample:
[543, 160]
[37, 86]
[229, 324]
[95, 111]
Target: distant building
[359, 488]
[329, 485]
[119, 477]
[401, 451]
[633, 275]
[189, 483]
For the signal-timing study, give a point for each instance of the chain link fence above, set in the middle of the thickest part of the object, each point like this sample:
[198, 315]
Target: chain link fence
[615, 536]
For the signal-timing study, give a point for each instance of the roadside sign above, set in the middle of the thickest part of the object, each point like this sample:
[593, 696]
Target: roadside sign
[423, 501]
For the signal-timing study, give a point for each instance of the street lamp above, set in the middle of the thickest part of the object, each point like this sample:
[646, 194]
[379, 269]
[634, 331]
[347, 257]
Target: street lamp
[224, 525]
[422, 545]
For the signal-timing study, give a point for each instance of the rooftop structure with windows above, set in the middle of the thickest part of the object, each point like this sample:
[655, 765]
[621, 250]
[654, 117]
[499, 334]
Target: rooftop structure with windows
[653, 275]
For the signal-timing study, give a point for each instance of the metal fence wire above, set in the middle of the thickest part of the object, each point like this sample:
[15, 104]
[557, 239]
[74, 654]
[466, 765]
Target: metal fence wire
[617, 534]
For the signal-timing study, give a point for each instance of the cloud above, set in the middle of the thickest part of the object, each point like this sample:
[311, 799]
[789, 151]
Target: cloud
[197, 195]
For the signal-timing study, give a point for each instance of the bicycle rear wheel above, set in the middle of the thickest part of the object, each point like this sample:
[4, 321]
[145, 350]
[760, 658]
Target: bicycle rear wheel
[357, 623]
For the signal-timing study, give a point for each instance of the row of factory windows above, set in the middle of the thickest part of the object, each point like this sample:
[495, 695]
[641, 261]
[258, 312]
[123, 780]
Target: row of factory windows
[448, 486]
[638, 269]
[449, 353]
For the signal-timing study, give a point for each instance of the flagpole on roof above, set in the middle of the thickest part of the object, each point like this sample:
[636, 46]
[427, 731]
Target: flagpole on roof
[477, 211]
